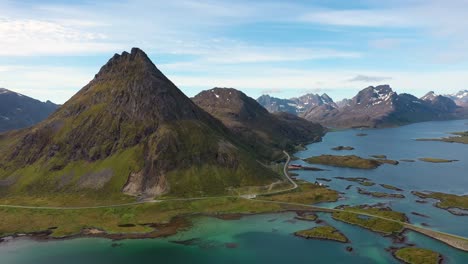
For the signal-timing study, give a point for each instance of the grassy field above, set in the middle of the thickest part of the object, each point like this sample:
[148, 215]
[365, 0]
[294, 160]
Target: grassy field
[127, 219]
[146, 218]
[372, 223]
[323, 232]
[349, 161]
[412, 255]
[306, 193]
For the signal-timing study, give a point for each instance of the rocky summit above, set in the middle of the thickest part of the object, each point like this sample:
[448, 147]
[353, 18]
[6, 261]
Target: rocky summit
[19, 111]
[128, 131]
[264, 132]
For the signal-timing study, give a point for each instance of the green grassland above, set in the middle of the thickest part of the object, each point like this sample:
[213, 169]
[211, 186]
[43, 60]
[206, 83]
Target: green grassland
[349, 161]
[412, 255]
[141, 218]
[306, 193]
[446, 200]
[323, 232]
[460, 137]
[379, 225]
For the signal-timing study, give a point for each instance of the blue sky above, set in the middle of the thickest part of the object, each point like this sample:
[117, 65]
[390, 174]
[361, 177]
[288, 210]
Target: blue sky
[50, 49]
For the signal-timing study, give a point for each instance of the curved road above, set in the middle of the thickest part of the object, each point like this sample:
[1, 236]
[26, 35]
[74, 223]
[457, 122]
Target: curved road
[450, 239]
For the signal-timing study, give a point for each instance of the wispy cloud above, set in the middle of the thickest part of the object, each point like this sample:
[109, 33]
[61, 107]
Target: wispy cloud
[366, 78]
[358, 18]
[23, 37]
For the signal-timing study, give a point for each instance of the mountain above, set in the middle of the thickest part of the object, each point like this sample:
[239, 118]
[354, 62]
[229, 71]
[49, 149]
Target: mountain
[380, 106]
[128, 131]
[296, 105]
[273, 104]
[20, 111]
[440, 103]
[266, 133]
[460, 98]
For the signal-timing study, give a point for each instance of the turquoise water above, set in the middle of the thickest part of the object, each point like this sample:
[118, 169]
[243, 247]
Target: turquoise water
[269, 238]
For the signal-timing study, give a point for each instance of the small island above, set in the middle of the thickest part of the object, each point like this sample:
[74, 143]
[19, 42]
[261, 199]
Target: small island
[390, 187]
[436, 160]
[323, 232]
[361, 134]
[361, 180]
[380, 194]
[413, 255]
[343, 148]
[459, 137]
[360, 216]
[306, 216]
[349, 161]
[446, 201]
[379, 156]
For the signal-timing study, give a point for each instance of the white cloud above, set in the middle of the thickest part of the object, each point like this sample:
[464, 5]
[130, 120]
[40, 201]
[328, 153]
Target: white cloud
[359, 18]
[57, 84]
[367, 78]
[22, 37]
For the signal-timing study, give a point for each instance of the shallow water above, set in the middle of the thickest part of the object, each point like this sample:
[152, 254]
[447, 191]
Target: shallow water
[269, 238]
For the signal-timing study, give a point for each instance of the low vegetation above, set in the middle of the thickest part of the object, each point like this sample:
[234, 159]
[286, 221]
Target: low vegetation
[380, 194]
[446, 200]
[306, 193]
[436, 160]
[126, 219]
[323, 232]
[413, 255]
[363, 216]
[460, 137]
[350, 161]
[306, 216]
[361, 180]
[391, 187]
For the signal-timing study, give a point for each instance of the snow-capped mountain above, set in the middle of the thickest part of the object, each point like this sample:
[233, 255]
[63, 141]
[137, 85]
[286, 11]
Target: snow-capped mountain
[460, 98]
[295, 105]
[377, 107]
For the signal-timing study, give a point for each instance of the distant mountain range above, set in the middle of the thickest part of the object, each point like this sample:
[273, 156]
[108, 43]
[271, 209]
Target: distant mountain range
[297, 105]
[373, 106]
[20, 111]
[460, 98]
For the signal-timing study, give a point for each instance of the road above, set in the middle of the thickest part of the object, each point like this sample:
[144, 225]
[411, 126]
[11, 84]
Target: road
[452, 240]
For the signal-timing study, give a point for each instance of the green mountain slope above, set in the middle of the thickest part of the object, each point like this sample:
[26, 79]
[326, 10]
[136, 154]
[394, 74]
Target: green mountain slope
[264, 132]
[130, 131]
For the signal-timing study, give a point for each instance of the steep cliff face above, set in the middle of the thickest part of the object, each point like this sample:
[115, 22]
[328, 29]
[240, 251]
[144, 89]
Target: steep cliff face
[264, 132]
[138, 133]
[19, 111]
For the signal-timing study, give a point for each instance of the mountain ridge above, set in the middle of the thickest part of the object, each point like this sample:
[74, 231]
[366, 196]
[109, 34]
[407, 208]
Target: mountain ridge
[19, 111]
[262, 130]
[380, 106]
